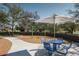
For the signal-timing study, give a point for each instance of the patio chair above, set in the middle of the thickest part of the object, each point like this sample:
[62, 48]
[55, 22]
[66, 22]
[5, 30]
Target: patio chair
[48, 47]
[66, 48]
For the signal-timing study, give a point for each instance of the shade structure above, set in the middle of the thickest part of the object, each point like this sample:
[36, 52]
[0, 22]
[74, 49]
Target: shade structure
[55, 19]
[58, 20]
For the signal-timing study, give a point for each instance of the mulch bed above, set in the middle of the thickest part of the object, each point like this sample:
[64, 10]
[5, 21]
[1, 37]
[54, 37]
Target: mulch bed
[34, 39]
[5, 46]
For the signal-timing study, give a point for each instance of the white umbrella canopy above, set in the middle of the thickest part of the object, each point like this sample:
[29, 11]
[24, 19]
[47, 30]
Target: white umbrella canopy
[58, 20]
[55, 19]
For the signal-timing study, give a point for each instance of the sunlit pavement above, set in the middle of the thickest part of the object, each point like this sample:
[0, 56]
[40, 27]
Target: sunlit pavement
[19, 45]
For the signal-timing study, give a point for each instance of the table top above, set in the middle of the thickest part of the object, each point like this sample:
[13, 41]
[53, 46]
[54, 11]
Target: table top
[56, 41]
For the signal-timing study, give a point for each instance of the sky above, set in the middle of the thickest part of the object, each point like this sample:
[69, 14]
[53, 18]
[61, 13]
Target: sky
[45, 9]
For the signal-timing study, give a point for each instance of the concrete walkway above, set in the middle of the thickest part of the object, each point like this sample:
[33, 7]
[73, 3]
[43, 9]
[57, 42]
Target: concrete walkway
[18, 45]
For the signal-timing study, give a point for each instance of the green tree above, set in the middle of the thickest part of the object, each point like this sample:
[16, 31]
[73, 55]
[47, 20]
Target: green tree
[70, 27]
[26, 20]
[3, 19]
[13, 14]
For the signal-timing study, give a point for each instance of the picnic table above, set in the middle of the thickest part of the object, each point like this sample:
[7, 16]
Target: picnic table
[56, 42]
[55, 45]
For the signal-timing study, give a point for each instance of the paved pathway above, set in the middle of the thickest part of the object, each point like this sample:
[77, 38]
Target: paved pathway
[18, 45]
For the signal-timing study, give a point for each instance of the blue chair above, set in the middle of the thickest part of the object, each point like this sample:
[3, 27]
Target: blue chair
[48, 47]
[66, 47]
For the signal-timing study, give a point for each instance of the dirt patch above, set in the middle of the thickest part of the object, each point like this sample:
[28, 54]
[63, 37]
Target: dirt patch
[5, 46]
[35, 39]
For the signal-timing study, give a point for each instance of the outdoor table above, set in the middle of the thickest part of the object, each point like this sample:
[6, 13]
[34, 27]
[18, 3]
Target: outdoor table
[56, 42]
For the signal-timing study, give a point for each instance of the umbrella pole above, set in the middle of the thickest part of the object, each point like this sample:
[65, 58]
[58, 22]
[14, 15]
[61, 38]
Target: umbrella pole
[54, 28]
[54, 24]
[45, 30]
[32, 32]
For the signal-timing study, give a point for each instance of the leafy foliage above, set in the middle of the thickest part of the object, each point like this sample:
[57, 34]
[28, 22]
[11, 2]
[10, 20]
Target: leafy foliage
[70, 27]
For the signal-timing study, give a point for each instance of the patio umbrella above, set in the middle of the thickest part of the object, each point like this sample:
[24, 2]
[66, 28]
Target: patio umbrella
[55, 19]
